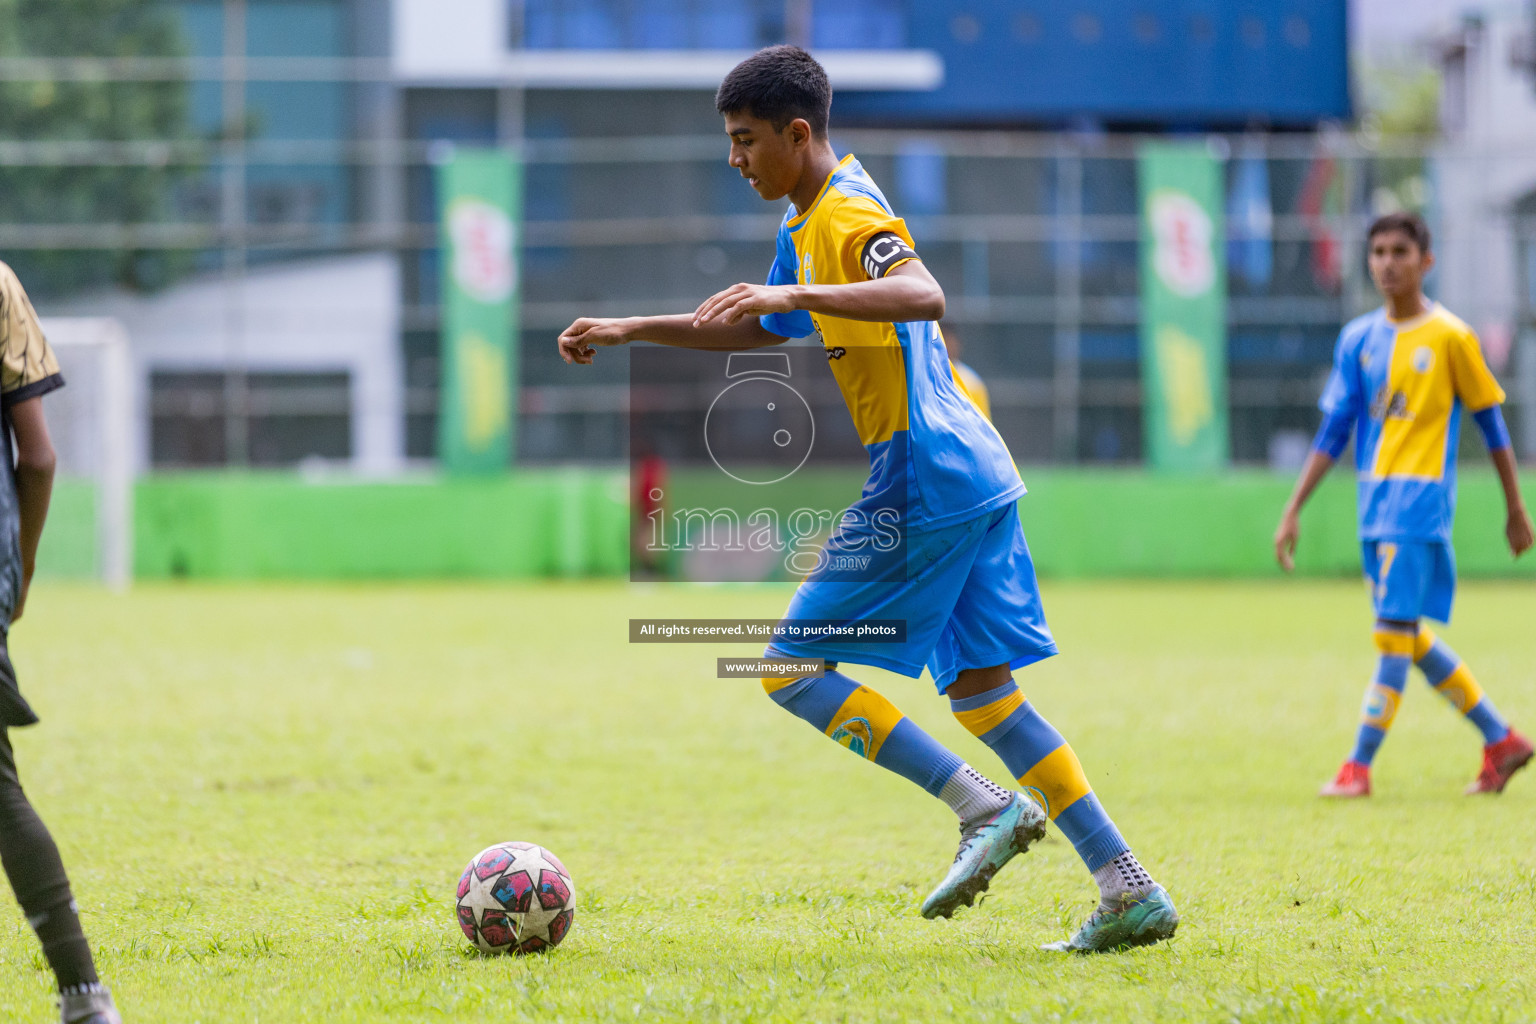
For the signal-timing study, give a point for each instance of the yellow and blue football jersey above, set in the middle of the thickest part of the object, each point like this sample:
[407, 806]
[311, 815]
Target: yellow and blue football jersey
[933, 456]
[1404, 385]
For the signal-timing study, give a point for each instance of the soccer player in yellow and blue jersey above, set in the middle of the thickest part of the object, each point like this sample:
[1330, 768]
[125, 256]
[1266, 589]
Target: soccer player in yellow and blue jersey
[847, 268]
[1401, 378]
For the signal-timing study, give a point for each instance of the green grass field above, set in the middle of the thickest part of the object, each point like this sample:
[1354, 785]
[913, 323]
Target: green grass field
[266, 794]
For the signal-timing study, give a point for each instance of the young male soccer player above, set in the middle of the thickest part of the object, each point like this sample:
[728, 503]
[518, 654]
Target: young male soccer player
[28, 371]
[847, 266]
[1401, 376]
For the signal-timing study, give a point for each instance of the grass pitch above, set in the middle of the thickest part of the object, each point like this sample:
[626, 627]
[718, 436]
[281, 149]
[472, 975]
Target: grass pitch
[265, 796]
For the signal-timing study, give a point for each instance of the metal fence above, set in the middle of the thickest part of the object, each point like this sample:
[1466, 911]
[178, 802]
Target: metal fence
[1034, 237]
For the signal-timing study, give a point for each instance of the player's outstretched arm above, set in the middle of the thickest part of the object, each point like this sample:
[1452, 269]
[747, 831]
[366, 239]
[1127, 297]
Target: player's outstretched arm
[906, 293]
[1289, 530]
[1517, 524]
[34, 484]
[580, 341]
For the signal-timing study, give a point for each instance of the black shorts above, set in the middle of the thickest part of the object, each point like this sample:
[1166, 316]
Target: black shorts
[14, 710]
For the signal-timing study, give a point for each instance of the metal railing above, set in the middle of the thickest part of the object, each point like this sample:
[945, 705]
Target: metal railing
[1034, 238]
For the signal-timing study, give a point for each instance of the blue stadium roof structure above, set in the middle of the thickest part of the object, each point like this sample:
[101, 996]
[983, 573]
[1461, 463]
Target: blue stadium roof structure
[1153, 63]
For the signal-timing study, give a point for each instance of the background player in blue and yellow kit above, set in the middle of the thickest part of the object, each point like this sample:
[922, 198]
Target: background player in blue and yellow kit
[1401, 377]
[846, 267]
[966, 379]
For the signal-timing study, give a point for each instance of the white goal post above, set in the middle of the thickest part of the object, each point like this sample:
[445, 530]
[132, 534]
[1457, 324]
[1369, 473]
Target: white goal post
[91, 423]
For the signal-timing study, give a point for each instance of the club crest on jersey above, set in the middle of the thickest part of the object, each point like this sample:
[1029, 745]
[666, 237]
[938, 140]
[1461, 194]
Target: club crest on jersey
[856, 734]
[807, 270]
[1423, 359]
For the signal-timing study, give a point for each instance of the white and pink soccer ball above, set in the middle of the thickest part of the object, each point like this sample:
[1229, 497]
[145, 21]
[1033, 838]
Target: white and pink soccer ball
[516, 898]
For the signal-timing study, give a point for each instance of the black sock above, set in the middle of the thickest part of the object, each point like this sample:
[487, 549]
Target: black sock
[36, 872]
[65, 947]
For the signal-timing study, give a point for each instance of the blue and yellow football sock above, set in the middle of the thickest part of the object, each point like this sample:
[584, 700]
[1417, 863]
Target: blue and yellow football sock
[872, 727]
[1038, 756]
[1447, 673]
[1385, 694]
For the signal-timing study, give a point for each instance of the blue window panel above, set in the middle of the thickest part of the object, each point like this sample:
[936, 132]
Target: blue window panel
[662, 25]
[859, 25]
[1286, 347]
[728, 27]
[591, 26]
[285, 28]
[1109, 347]
[541, 26]
[202, 25]
[922, 178]
[1214, 62]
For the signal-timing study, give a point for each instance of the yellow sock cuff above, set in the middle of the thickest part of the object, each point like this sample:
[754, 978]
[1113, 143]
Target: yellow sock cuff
[1422, 643]
[773, 684]
[1057, 780]
[1394, 644]
[980, 721]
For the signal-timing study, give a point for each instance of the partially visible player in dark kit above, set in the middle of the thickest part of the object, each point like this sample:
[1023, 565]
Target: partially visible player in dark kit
[28, 371]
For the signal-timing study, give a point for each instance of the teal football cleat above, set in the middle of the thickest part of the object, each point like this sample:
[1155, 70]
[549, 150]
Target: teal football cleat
[1138, 922]
[984, 848]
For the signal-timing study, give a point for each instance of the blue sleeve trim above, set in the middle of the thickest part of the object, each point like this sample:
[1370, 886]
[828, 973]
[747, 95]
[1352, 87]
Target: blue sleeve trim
[1333, 434]
[789, 325]
[1491, 422]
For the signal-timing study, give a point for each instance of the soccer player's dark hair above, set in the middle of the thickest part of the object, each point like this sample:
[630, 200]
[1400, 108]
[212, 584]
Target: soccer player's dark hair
[779, 84]
[1410, 224]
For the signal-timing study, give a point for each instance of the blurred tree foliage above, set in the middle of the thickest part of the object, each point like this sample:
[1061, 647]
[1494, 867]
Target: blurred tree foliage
[1401, 104]
[43, 109]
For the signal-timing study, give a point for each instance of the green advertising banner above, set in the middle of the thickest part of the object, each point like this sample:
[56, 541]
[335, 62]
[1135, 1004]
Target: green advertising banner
[480, 196]
[1183, 307]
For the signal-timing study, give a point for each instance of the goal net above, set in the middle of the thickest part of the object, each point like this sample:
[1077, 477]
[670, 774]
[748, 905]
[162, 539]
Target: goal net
[90, 521]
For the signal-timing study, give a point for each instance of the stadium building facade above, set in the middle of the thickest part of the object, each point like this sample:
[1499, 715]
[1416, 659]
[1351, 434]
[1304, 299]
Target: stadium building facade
[1009, 159]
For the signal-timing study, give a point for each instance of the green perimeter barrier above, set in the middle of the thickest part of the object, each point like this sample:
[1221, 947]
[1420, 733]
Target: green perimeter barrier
[68, 547]
[1127, 524]
[1085, 523]
[555, 523]
[575, 522]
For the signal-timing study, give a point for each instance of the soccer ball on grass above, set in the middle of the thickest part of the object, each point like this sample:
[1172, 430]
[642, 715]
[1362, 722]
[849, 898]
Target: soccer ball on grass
[516, 898]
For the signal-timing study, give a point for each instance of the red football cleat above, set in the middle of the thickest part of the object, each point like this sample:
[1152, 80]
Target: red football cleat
[1500, 761]
[1354, 779]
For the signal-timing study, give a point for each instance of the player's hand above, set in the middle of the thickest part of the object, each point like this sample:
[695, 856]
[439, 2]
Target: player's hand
[580, 341]
[1517, 530]
[1286, 535]
[738, 301]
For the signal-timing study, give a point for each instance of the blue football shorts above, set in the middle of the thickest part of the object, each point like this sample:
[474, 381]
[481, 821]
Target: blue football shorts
[1410, 579]
[968, 596]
